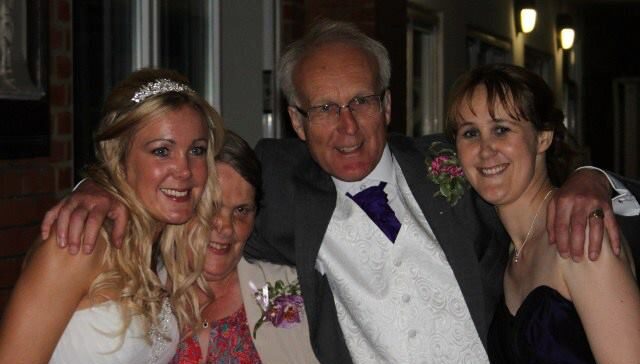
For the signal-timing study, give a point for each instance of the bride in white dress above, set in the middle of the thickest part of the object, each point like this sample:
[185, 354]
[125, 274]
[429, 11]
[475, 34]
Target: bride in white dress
[155, 147]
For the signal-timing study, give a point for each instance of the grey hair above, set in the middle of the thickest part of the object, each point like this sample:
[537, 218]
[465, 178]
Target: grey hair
[331, 31]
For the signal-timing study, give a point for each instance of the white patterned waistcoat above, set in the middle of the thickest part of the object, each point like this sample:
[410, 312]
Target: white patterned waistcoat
[396, 303]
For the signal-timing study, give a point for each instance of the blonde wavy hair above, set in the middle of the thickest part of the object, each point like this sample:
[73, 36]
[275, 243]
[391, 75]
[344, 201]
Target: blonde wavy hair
[131, 269]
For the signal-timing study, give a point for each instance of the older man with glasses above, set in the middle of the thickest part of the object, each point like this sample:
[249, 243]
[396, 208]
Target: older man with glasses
[390, 271]
[400, 275]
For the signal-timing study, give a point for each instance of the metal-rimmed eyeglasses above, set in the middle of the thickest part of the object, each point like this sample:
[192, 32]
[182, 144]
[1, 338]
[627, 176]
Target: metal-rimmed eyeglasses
[360, 107]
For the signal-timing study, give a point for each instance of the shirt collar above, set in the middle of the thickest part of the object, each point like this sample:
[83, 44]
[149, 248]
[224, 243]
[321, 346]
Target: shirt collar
[383, 172]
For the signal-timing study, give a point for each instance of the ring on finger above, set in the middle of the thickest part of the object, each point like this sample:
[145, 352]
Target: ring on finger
[597, 213]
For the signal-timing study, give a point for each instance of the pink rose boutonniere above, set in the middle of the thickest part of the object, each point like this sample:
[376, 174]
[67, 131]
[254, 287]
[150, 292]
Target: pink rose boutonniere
[445, 171]
[281, 304]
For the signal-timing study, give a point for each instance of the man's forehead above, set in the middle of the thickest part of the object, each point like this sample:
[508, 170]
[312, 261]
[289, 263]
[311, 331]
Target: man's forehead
[333, 53]
[335, 70]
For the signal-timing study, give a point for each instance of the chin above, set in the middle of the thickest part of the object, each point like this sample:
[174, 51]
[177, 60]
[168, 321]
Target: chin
[490, 195]
[214, 275]
[353, 174]
[350, 178]
[179, 219]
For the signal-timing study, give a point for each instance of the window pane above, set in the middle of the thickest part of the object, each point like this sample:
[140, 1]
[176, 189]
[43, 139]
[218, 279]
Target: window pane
[425, 96]
[183, 39]
[102, 56]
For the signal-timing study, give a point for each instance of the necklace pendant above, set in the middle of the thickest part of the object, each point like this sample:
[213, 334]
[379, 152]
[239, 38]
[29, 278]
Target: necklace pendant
[205, 324]
[516, 252]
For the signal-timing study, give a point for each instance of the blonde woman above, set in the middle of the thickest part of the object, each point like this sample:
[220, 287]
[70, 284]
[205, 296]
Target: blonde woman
[155, 147]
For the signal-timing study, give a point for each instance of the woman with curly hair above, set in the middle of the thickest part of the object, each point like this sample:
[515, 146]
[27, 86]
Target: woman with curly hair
[155, 149]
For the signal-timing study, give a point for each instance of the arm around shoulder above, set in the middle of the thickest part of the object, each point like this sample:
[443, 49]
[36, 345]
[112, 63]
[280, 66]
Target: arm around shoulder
[625, 202]
[48, 291]
[607, 299]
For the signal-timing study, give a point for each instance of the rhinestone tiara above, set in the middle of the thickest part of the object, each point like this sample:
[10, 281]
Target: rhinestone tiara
[157, 87]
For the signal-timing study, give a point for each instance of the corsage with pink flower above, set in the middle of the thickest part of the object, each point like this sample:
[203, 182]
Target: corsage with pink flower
[281, 304]
[445, 171]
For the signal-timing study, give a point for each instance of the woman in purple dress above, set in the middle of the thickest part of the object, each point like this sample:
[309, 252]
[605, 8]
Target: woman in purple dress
[510, 142]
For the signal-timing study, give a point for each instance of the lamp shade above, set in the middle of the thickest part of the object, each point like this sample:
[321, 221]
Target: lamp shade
[566, 31]
[527, 19]
[567, 36]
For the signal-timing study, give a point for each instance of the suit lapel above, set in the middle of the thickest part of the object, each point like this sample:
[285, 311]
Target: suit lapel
[315, 197]
[315, 200]
[446, 222]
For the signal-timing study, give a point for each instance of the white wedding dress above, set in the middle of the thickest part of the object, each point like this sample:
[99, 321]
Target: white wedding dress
[90, 338]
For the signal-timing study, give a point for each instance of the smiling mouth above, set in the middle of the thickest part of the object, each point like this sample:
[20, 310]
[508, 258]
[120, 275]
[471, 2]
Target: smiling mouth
[493, 170]
[219, 248]
[176, 195]
[349, 149]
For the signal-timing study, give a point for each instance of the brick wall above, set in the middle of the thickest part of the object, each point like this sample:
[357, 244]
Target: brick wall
[28, 187]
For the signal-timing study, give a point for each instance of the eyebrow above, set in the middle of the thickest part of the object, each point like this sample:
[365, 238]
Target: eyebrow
[173, 141]
[495, 120]
[359, 94]
[160, 140]
[511, 121]
[461, 124]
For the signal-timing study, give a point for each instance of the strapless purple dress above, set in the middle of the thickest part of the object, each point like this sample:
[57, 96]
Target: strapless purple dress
[546, 329]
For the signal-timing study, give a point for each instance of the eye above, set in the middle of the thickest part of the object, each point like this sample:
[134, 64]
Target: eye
[469, 133]
[199, 151]
[501, 130]
[244, 210]
[160, 152]
[359, 100]
[325, 108]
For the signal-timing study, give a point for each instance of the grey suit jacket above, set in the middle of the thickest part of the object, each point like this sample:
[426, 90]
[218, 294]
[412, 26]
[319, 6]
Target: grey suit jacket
[299, 199]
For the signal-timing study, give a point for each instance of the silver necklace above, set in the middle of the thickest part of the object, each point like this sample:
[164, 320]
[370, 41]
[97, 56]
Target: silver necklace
[516, 253]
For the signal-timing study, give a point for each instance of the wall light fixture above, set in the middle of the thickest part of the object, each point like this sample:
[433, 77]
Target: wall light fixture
[566, 31]
[526, 15]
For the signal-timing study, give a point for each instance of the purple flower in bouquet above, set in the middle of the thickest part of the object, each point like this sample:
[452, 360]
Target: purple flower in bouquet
[436, 164]
[281, 304]
[285, 311]
[445, 171]
[446, 165]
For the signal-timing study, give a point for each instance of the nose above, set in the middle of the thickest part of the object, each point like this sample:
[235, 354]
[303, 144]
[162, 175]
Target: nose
[223, 224]
[183, 167]
[346, 122]
[487, 147]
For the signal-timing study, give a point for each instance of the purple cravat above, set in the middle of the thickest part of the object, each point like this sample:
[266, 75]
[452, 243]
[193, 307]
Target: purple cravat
[374, 202]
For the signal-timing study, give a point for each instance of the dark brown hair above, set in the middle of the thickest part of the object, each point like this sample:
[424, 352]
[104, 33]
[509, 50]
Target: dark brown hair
[237, 153]
[525, 97]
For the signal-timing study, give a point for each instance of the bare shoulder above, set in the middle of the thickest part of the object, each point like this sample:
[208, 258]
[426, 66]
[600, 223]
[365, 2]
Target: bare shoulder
[605, 294]
[48, 291]
[594, 276]
[606, 260]
[47, 259]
